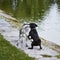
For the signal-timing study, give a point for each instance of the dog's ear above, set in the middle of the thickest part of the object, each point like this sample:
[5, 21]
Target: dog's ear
[33, 25]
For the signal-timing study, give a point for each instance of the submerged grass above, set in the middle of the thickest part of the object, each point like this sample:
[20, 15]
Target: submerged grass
[58, 56]
[9, 52]
[46, 55]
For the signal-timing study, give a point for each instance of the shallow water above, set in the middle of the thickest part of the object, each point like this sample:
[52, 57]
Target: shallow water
[49, 27]
[12, 35]
[45, 11]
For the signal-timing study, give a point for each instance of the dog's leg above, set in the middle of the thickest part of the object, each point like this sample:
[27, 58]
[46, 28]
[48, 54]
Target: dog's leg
[40, 44]
[32, 44]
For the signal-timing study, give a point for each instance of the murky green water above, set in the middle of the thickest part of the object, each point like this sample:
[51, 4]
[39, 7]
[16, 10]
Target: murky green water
[31, 10]
[45, 12]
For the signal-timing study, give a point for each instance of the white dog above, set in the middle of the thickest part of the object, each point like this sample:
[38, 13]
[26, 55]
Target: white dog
[23, 33]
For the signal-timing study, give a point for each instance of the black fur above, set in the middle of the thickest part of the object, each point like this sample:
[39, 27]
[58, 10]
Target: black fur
[34, 35]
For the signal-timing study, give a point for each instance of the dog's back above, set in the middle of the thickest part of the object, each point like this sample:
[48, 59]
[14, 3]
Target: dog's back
[34, 35]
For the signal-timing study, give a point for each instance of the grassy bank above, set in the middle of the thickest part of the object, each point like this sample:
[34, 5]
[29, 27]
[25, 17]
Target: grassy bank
[9, 52]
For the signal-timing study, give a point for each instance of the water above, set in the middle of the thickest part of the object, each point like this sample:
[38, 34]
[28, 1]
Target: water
[49, 28]
[12, 35]
[45, 12]
[26, 10]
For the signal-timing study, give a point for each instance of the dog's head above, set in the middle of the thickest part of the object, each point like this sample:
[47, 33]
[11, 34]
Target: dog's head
[33, 25]
[25, 29]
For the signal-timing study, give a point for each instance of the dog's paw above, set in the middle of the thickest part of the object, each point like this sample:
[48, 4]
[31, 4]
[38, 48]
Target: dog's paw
[30, 48]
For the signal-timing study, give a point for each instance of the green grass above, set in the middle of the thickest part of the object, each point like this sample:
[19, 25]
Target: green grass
[9, 52]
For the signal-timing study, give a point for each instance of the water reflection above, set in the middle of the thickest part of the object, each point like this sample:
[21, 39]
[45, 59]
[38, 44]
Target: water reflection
[49, 28]
[14, 4]
[30, 10]
[58, 4]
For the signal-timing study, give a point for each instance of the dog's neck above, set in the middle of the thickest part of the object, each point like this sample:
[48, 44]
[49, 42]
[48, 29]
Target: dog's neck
[33, 28]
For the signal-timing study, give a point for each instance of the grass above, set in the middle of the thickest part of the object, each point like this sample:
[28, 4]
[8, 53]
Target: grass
[9, 52]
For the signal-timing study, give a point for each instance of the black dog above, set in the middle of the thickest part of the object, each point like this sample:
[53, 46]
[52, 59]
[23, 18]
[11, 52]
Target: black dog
[34, 35]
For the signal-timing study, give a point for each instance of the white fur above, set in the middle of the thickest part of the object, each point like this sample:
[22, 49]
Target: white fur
[23, 33]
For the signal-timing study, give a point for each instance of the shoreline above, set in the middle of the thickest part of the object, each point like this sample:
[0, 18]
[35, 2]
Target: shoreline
[50, 46]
